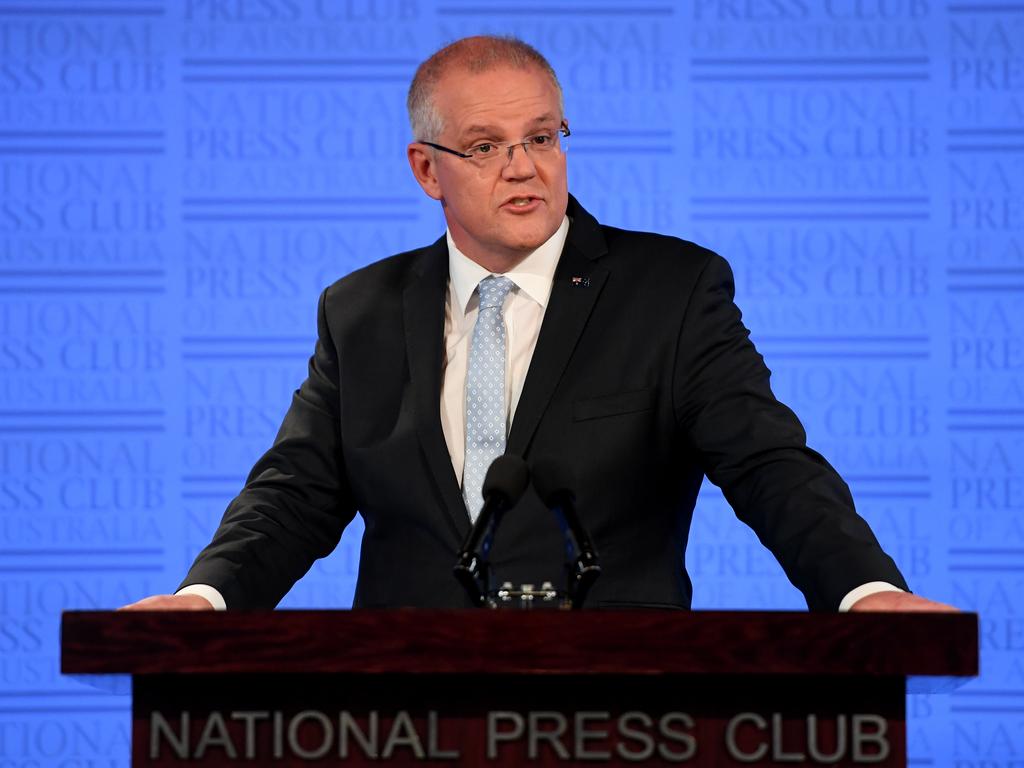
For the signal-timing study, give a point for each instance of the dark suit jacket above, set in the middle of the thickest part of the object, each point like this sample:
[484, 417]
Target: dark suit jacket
[643, 380]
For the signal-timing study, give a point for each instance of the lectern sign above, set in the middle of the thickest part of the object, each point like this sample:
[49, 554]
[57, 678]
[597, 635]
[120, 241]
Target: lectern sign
[462, 720]
[316, 736]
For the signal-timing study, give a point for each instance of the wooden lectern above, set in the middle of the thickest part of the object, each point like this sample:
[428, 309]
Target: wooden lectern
[516, 687]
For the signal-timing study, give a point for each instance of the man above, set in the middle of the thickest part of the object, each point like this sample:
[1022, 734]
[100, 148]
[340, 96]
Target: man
[530, 328]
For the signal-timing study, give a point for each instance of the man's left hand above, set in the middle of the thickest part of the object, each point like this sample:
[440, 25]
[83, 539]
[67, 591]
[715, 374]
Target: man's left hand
[900, 602]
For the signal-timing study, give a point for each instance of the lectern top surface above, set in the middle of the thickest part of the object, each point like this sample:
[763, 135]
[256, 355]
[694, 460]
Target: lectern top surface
[520, 642]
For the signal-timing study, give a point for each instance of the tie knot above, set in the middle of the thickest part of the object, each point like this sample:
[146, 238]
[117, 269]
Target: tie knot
[493, 290]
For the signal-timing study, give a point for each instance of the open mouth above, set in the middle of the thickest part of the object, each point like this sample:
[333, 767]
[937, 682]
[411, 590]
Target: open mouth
[525, 203]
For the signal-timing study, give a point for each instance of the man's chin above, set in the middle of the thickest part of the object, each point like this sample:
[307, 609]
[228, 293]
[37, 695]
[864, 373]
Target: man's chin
[520, 249]
[530, 239]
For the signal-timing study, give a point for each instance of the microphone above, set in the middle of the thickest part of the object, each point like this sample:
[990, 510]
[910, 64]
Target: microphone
[504, 484]
[553, 483]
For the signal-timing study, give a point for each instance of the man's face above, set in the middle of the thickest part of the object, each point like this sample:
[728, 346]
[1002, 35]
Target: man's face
[500, 105]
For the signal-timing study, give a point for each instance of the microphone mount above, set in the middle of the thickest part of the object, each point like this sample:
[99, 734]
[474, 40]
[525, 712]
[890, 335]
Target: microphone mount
[504, 485]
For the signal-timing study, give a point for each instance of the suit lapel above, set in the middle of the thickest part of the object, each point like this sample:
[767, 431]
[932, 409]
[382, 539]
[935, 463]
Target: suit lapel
[423, 308]
[577, 285]
[569, 307]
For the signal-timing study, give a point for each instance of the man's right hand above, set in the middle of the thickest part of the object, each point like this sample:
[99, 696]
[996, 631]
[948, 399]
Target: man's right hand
[170, 603]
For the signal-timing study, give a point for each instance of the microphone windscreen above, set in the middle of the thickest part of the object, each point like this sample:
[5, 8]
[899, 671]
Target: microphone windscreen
[552, 480]
[507, 476]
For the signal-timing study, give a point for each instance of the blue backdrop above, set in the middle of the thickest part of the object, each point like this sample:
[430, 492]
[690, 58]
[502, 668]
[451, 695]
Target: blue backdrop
[180, 178]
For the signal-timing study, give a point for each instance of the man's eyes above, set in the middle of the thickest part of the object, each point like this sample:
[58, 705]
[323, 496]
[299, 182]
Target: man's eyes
[488, 147]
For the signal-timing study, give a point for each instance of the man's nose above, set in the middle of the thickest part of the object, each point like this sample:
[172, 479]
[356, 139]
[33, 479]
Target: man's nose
[518, 164]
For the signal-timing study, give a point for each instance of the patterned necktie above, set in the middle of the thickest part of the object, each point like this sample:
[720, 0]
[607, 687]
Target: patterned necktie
[485, 391]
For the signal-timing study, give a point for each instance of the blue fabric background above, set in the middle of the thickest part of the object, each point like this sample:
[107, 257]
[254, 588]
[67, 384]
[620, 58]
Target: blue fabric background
[181, 178]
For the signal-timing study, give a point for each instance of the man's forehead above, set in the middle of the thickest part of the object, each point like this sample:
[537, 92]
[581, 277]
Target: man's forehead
[499, 95]
[457, 70]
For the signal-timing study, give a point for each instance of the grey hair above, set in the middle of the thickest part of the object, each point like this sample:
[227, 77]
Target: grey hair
[476, 54]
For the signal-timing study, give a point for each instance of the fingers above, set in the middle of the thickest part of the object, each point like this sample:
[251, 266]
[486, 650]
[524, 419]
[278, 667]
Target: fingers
[901, 602]
[170, 603]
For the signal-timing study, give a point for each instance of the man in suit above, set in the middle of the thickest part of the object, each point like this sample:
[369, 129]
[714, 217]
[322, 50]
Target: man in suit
[530, 328]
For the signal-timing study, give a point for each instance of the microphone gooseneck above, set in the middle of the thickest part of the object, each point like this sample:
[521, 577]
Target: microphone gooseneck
[504, 484]
[554, 482]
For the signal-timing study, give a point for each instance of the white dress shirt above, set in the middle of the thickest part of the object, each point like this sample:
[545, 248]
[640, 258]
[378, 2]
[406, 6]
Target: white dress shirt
[524, 312]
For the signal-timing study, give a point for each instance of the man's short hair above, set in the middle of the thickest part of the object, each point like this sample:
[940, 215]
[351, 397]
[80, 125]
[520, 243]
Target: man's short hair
[475, 54]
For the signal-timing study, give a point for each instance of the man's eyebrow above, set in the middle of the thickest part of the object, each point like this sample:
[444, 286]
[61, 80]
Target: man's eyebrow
[480, 130]
[491, 130]
[545, 118]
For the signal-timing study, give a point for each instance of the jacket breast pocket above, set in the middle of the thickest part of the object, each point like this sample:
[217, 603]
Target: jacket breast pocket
[635, 401]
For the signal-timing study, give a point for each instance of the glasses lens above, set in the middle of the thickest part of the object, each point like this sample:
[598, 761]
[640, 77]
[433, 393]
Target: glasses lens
[543, 142]
[484, 153]
[538, 143]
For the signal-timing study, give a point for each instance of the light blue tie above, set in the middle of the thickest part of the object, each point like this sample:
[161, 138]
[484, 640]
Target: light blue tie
[485, 391]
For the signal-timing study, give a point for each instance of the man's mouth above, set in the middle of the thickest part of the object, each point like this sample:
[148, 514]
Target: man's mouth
[524, 202]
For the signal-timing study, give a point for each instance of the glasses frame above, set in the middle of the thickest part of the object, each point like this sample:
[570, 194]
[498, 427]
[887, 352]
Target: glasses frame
[563, 129]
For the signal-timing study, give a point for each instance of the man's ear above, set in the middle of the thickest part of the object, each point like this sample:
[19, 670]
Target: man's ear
[424, 168]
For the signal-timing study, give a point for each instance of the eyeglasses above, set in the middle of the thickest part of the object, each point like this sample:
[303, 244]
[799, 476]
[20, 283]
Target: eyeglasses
[485, 153]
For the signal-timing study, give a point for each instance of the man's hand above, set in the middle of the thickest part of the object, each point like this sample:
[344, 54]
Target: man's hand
[170, 603]
[900, 602]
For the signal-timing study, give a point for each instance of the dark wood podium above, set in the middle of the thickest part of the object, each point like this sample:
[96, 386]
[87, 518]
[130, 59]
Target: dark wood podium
[469, 688]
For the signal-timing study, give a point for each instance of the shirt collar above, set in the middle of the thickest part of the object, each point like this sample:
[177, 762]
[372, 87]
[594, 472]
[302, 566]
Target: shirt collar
[533, 275]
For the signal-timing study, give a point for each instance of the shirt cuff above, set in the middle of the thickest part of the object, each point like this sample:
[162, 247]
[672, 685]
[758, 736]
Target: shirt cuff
[864, 590]
[206, 591]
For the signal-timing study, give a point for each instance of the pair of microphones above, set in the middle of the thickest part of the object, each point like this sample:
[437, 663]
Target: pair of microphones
[504, 484]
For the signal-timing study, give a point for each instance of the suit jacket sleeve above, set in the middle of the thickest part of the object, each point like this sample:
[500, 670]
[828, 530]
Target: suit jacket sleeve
[296, 501]
[754, 448]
